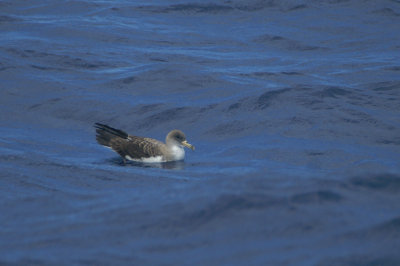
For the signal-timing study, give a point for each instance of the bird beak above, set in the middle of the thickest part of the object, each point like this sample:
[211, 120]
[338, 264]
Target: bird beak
[187, 144]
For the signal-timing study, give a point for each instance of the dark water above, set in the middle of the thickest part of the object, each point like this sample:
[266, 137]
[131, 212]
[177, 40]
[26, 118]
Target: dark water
[293, 106]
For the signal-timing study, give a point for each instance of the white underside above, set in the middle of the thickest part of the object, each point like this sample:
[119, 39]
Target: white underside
[156, 159]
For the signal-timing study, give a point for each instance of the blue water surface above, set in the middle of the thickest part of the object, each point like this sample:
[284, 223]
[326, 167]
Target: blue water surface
[293, 106]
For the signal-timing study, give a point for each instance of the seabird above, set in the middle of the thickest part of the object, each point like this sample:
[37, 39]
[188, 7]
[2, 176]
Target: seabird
[143, 149]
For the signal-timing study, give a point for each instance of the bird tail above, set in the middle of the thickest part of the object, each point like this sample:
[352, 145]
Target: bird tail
[106, 133]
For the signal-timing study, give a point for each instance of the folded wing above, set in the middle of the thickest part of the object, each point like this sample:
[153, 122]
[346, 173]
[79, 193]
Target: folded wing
[125, 145]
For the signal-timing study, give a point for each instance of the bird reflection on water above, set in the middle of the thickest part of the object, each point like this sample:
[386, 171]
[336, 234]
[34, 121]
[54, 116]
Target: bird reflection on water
[173, 165]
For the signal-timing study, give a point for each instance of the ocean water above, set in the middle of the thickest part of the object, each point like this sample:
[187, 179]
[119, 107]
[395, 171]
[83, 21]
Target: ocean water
[293, 106]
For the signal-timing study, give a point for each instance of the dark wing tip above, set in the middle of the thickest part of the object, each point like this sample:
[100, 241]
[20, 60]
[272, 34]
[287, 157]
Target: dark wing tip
[96, 125]
[102, 128]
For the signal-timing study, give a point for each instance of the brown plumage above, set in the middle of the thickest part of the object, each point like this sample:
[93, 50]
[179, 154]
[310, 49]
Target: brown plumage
[140, 148]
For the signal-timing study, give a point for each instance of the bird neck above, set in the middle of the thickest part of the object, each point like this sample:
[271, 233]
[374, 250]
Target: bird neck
[177, 152]
[171, 143]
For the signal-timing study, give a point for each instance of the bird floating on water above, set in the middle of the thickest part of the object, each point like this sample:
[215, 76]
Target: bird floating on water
[143, 149]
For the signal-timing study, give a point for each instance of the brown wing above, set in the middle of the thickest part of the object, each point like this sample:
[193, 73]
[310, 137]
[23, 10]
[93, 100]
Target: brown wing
[105, 134]
[137, 147]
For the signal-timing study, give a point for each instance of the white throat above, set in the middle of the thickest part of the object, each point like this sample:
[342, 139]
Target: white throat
[178, 153]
